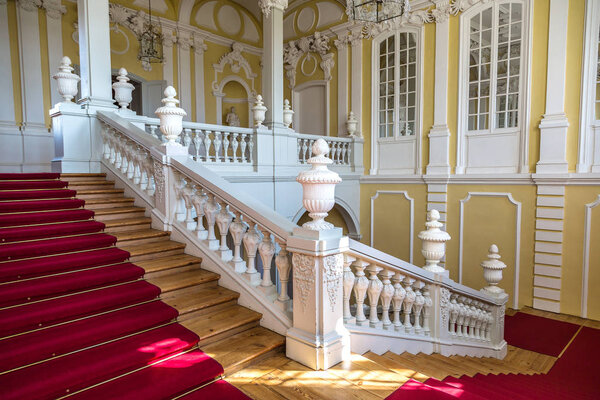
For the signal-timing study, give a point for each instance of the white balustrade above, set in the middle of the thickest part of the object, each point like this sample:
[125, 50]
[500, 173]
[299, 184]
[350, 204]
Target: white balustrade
[340, 148]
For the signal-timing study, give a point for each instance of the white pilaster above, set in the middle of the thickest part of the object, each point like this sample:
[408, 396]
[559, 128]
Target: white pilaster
[7, 111]
[342, 94]
[272, 72]
[168, 41]
[554, 124]
[356, 99]
[184, 43]
[54, 12]
[199, 49]
[94, 53]
[439, 134]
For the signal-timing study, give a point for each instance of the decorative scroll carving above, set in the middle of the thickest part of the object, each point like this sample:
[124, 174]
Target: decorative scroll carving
[304, 276]
[159, 180]
[334, 266]
[445, 306]
[318, 43]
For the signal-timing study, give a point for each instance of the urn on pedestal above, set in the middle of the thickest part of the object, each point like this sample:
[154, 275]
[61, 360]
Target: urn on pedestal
[434, 242]
[492, 272]
[171, 117]
[351, 124]
[66, 80]
[288, 113]
[259, 112]
[123, 89]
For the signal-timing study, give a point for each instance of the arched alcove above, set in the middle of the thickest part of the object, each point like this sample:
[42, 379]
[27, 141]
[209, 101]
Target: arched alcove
[235, 96]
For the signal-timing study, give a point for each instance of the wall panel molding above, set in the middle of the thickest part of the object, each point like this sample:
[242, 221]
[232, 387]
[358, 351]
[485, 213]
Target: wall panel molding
[412, 217]
[586, 255]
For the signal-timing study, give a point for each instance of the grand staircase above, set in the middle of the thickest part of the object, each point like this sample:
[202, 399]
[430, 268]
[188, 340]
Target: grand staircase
[93, 301]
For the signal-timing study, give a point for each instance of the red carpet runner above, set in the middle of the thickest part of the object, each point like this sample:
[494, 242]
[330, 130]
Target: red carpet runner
[76, 319]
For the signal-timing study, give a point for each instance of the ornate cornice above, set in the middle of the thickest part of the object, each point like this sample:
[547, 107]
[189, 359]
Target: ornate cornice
[266, 5]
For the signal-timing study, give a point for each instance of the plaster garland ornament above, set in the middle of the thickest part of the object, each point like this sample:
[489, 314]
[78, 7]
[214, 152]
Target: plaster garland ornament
[334, 269]
[66, 80]
[259, 111]
[318, 43]
[434, 242]
[266, 5]
[123, 89]
[304, 276]
[171, 117]
[318, 187]
[492, 272]
[288, 113]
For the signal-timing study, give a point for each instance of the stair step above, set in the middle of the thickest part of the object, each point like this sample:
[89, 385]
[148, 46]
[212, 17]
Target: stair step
[240, 350]
[125, 224]
[107, 214]
[72, 177]
[204, 301]
[165, 264]
[150, 250]
[172, 282]
[101, 203]
[91, 184]
[99, 193]
[130, 238]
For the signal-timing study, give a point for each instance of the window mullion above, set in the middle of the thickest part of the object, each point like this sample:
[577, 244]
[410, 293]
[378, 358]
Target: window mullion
[494, 68]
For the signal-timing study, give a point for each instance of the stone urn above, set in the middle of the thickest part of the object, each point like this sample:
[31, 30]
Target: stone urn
[351, 124]
[492, 272]
[66, 80]
[318, 187]
[259, 112]
[434, 242]
[123, 89]
[288, 113]
[171, 117]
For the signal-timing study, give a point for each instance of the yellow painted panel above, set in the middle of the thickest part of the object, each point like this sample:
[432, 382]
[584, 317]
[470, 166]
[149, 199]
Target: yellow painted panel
[575, 27]
[70, 47]
[13, 33]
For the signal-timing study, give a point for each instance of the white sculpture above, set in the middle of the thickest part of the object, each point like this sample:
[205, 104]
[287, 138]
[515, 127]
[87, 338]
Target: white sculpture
[434, 242]
[259, 112]
[351, 124]
[123, 89]
[492, 272]
[232, 118]
[171, 117]
[288, 113]
[66, 80]
[318, 187]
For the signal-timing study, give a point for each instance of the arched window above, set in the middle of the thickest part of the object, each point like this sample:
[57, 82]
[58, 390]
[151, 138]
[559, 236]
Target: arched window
[493, 115]
[396, 102]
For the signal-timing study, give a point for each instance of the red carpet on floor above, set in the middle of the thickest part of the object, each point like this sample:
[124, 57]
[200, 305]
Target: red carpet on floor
[75, 317]
[542, 335]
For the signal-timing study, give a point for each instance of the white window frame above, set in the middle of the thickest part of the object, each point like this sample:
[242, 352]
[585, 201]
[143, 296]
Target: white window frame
[589, 132]
[411, 145]
[474, 148]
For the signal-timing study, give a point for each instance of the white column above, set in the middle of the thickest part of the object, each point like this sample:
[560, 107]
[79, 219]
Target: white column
[439, 134]
[554, 124]
[168, 41]
[272, 72]
[199, 49]
[7, 111]
[94, 53]
[31, 66]
[54, 12]
[184, 44]
[342, 95]
[356, 99]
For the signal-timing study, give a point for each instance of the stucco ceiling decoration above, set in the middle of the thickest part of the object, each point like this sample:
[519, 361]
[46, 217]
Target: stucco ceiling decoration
[232, 21]
[157, 5]
[317, 16]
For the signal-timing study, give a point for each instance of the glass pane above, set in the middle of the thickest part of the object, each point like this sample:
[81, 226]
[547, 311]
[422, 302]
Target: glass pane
[411, 99]
[513, 119]
[472, 106]
[412, 70]
[403, 57]
[382, 63]
[502, 66]
[516, 10]
[515, 49]
[411, 128]
[412, 42]
[475, 23]
[483, 121]
[402, 71]
[500, 120]
[390, 103]
[411, 84]
[475, 40]
[382, 103]
[390, 60]
[515, 31]
[503, 34]
[486, 54]
[472, 90]
[381, 131]
[513, 101]
[412, 55]
[514, 84]
[484, 104]
[411, 114]
[382, 47]
[473, 74]
[382, 117]
[486, 37]
[474, 59]
[391, 44]
[382, 76]
[486, 19]
[402, 40]
[485, 71]
[501, 86]
[514, 66]
[503, 14]
[500, 103]
[484, 88]
[503, 51]
[473, 123]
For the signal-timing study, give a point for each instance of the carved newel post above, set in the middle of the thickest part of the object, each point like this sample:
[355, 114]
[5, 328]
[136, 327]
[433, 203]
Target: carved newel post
[259, 112]
[318, 338]
[492, 272]
[351, 124]
[123, 89]
[288, 113]
[66, 80]
[434, 243]
[171, 119]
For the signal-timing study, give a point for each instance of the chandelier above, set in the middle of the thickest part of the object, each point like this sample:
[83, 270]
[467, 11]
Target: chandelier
[377, 11]
[151, 49]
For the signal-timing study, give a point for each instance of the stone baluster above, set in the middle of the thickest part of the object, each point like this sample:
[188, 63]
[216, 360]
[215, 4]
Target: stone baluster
[418, 306]
[348, 283]
[197, 140]
[179, 202]
[490, 322]
[211, 209]
[251, 149]
[151, 188]
[243, 145]
[199, 201]
[266, 249]
[361, 283]
[478, 320]
[217, 144]
[223, 220]
[207, 142]
[303, 150]
[188, 195]
[137, 157]
[397, 300]
[473, 321]
[338, 153]
[152, 130]
[374, 291]
[132, 161]
[283, 264]
[234, 147]
[426, 310]
[124, 158]
[251, 241]
[349, 154]
[225, 146]
[454, 309]
[461, 317]
[344, 151]
[409, 300]
[187, 137]
[238, 229]
[386, 298]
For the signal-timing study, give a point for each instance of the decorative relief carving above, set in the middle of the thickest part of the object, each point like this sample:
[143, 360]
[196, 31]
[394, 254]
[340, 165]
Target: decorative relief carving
[237, 61]
[318, 43]
[159, 180]
[304, 276]
[54, 9]
[334, 267]
[445, 306]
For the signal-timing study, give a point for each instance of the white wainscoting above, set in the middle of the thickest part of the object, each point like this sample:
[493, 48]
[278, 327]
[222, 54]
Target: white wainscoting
[586, 255]
[412, 216]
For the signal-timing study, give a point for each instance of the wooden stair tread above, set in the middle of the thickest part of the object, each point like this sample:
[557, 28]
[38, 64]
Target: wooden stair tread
[221, 321]
[149, 248]
[185, 279]
[118, 210]
[243, 347]
[203, 299]
[139, 234]
[113, 223]
[101, 182]
[80, 174]
[164, 263]
[99, 191]
[104, 200]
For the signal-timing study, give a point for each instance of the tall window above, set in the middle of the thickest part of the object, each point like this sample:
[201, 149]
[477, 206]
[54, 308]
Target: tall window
[495, 68]
[397, 106]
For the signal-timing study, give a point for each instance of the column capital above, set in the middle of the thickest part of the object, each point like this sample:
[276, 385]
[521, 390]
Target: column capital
[267, 5]
[54, 9]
